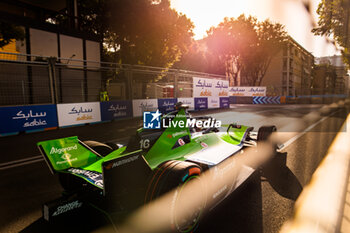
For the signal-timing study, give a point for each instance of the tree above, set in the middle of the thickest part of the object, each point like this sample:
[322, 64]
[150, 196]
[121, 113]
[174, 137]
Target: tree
[146, 32]
[334, 20]
[8, 32]
[230, 41]
[270, 39]
[246, 47]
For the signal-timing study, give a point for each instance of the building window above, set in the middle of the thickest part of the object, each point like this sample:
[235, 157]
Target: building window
[284, 79]
[285, 50]
[284, 64]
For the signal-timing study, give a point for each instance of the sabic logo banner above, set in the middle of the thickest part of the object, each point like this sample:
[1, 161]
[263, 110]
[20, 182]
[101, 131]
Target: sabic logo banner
[224, 102]
[187, 101]
[213, 102]
[25, 118]
[200, 103]
[206, 87]
[166, 105]
[116, 110]
[247, 91]
[79, 113]
[144, 105]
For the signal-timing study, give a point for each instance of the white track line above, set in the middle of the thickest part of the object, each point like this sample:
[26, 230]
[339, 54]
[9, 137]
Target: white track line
[21, 164]
[296, 137]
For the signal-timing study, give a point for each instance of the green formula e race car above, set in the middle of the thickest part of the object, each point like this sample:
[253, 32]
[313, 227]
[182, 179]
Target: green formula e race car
[155, 161]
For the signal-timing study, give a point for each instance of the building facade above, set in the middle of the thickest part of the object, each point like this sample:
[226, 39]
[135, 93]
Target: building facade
[290, 71]
[341, 85]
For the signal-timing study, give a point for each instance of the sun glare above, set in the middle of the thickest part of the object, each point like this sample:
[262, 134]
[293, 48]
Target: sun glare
[291, 13]
[207, 13]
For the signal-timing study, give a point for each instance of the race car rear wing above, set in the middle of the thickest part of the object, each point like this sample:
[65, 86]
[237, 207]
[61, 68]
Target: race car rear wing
[61, 154]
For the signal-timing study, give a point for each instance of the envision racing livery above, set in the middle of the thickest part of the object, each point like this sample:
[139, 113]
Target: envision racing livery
[155, 161]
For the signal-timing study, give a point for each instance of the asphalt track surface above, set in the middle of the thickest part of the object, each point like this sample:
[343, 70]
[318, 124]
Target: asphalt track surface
[261, 204]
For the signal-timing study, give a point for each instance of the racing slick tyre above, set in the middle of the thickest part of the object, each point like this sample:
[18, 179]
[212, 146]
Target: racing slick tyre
[170, 175]
[264, 132]
[101, 148]
[175, 175]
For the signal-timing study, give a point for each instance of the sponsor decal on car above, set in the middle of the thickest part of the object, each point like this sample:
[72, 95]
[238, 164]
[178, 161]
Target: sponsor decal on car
[62, 150]
[92, 176]
[181, 142]
[204, 145]
[67, 207]
[124, 161]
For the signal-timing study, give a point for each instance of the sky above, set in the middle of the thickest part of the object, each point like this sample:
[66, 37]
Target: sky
[291, 13]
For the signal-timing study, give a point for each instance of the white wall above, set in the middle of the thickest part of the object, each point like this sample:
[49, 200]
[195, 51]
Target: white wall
[43, 43]
[71, 46]
[93, 53]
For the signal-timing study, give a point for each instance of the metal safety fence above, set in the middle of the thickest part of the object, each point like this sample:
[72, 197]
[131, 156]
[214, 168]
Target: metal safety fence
[27, 79]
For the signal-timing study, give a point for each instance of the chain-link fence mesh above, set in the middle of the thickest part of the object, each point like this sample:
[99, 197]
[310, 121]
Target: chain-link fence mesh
[31, 79]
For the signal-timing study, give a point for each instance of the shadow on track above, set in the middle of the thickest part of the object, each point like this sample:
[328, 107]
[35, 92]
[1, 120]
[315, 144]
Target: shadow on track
[242, 211]
[281, 178]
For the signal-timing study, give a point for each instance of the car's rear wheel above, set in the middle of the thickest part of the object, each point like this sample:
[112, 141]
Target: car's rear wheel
[265, 132]
[176, 175]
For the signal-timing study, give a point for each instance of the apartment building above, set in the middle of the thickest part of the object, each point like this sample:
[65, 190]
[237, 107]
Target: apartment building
[290, 71]
[341, 85]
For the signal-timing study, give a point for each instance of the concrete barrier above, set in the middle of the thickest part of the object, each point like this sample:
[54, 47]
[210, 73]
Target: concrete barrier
[320, 207]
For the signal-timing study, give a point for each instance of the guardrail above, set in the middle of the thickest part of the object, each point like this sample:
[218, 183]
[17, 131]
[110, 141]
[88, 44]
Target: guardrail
[320, 207]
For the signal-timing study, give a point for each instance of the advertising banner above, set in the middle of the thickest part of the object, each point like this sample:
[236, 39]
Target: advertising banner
[166, 105]
[23, 118]
[200, 103]
[142, 105]
[213, 102]
[116, 110]
[221, 88]
[187, 101]
[203, 87]
[247, 91]
[224, 102]
[78, 113]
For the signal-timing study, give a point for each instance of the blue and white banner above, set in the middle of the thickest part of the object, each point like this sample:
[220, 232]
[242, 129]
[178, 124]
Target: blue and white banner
[26, 118]
[116, 110]
[200, 103]
[224, 102]
[144, 105]
[266, 100]
[79, 113]
[166, 105]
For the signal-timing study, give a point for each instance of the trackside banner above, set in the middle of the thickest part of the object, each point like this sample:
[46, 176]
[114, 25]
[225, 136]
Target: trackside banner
[207, 87]
[213, 102]
[116, 110]
[224, 102]
[143, 105]
[247, 91]
[166, 105]
[79, 113]
[200, 103]
[187, 101]
[26, 118]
